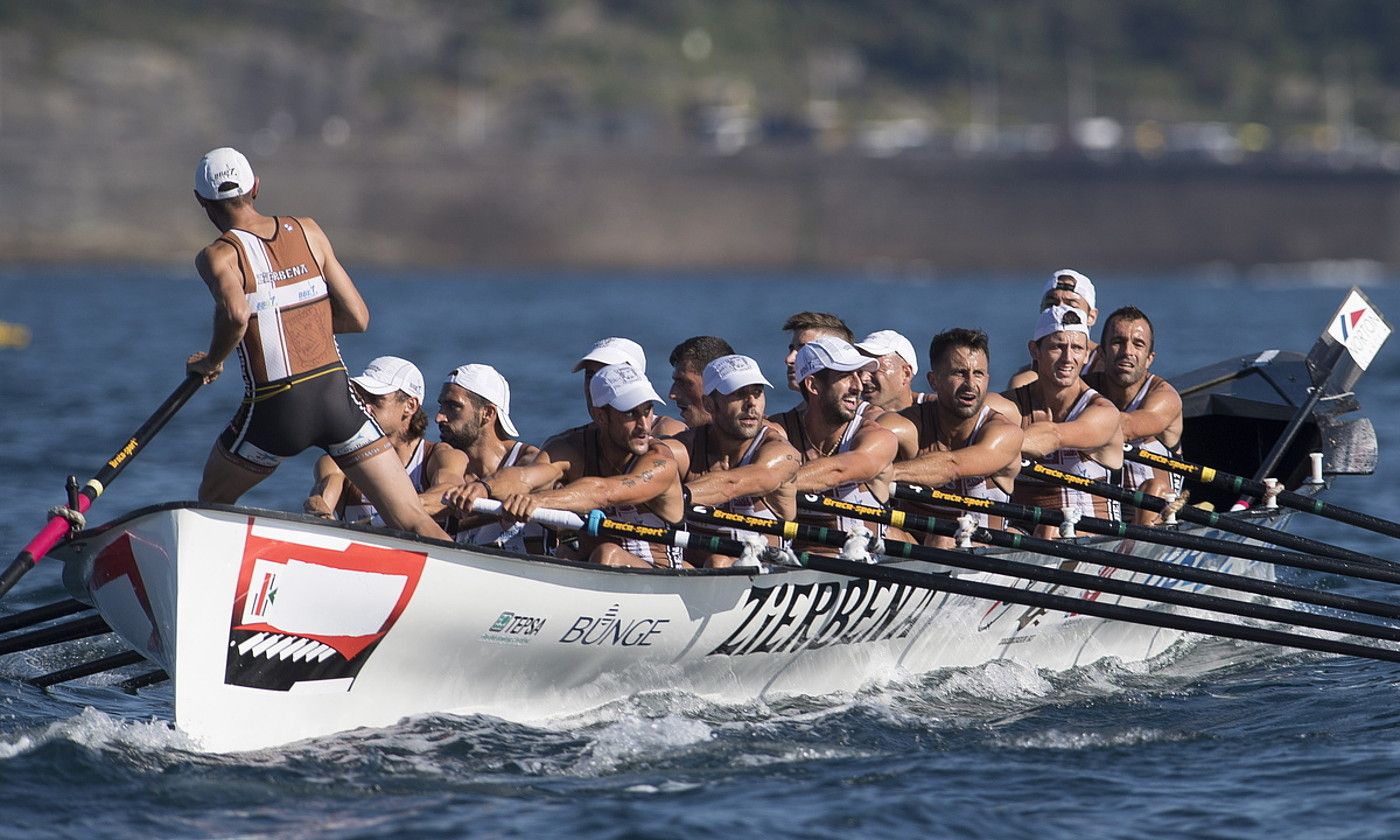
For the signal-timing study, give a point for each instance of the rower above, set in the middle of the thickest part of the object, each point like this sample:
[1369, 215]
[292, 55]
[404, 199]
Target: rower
[889, 385]
[688, 361]
[392, 389]
[1150, 407]
[805, 326]
[845, 452]
[965, 446]
[1067, 424]
[618, 350]
[614, 464]
[736, 462]
[1066, 287]
[474, 417]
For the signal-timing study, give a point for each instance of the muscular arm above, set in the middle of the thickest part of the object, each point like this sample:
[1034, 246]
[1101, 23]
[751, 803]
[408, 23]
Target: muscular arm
[776, 465]
[349, 314]
[445, 470]
[546, 467]
[1159, 410]
[871, 453]
[652, 475]
[998, 448]
[1095, 431]
[904, 431]
[218, 267]
[324, 498]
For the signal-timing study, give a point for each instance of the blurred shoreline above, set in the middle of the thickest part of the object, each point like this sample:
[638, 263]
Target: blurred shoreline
[761, 209]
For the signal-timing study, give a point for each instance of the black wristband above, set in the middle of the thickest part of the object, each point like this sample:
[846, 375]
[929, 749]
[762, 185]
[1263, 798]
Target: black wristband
[484, 483]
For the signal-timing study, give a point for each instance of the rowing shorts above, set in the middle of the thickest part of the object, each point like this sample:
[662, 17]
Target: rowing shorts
[315, 409]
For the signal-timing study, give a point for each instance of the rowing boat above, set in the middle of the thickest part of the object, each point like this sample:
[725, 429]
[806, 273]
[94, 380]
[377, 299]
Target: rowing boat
[276, 627]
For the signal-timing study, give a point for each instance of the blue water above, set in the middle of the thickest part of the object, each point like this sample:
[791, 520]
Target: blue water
[1215, 739]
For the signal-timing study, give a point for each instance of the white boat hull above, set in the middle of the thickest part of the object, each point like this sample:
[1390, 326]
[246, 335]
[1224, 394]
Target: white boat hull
[277, 628]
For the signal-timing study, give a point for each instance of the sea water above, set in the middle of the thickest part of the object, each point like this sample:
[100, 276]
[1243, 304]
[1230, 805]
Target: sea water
[1215, 738]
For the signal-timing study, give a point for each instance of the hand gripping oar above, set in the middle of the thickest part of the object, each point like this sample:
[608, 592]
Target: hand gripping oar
[58, 527]
[993, 564]
[1178, 539]
[1240, 484]
[1024, 597]
[1232, 524]
[598, 525]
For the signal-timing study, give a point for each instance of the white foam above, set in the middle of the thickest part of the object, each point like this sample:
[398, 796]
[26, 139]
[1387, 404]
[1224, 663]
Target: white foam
[1057, 740]
[632, 738]
[98, 730]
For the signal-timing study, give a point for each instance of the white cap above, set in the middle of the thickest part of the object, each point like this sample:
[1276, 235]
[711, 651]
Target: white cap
[616, 351]
[828, 352]
[1071, 281]
[1052, 320]
[885, 342]
[223, 166]
[486, 382]
[387, 374]
[621, 387]
[728, 374]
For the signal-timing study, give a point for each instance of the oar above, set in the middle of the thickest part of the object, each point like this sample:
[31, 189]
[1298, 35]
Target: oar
[58, 527]
[140, 681]
[38, 615]
[87, 669]
[1025, 597]
[1232, 524]
[1240, 484]
[597, 524]
[1175, 539]
[78, 628]
[993, 564]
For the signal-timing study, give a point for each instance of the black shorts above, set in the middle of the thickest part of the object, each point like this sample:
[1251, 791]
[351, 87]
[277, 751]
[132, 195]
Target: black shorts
[316, 408]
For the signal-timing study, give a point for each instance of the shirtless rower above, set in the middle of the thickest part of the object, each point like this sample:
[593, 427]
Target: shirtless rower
[736, 462]
[805, 326]
[280, 297]
[1067, 424]
[965, 446]
[845, 452]
[474, 417]
[1150, 408]
[614, 464]
[1066, 287]
[688, 361]
[618, 350]
[392, 388]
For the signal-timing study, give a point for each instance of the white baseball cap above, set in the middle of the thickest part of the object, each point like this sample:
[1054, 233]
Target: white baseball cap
[223, 173]
[616, 351]
[1071, 281]
[1060, 319]
[388, 374]
[728, 374]
[885, 342]
[828, 352]
[622, 387]
[486, 382]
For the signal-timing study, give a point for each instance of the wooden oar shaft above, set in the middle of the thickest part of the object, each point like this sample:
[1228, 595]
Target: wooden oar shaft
[1048, 601]
[1089, 583]
[1240, 484]
[1168, 537]
[57, 528]
[1232, 524]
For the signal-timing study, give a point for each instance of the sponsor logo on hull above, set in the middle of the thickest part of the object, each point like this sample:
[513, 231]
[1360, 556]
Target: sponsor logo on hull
[613, 630]
[308, 614]
[513, 629]
[793, 617]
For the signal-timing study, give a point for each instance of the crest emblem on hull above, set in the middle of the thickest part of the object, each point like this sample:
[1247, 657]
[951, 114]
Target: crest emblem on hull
[307, 616]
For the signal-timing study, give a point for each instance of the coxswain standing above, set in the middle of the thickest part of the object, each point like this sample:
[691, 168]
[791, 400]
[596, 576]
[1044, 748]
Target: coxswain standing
[736, 461]
[280, 296]
[1150, 408]
[1067, 424]
[965, 446]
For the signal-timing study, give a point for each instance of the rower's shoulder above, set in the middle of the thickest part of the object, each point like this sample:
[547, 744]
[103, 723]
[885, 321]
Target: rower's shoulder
[668, 427]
